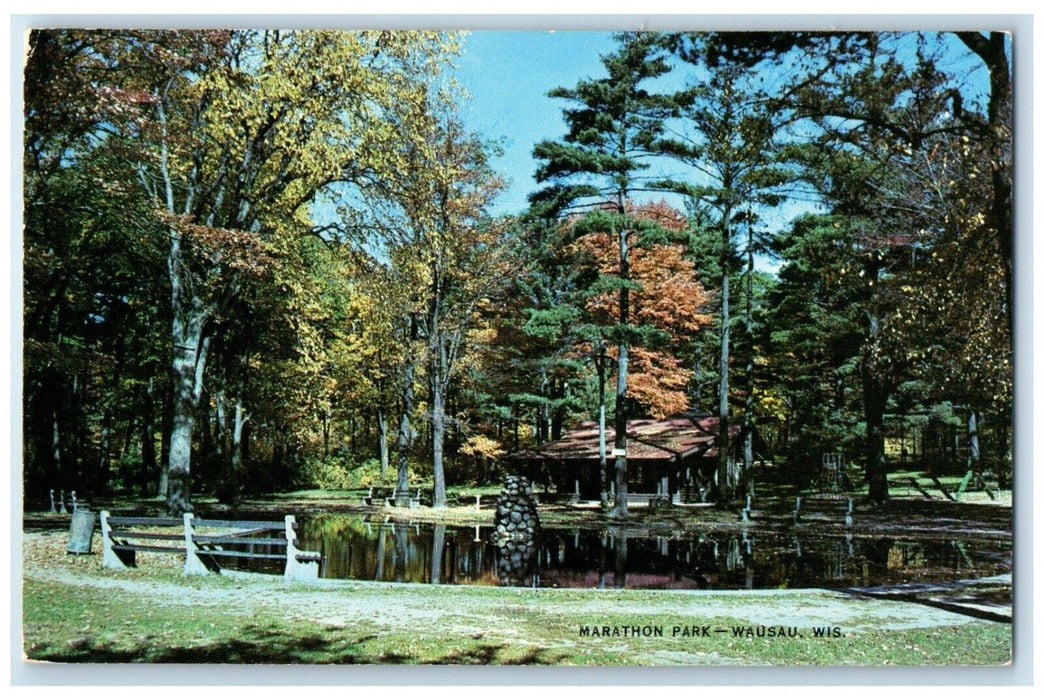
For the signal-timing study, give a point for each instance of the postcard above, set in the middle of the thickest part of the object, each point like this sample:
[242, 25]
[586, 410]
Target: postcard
[411, 347]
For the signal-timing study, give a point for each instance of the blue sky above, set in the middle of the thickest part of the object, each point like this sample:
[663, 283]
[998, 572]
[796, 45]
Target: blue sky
[508, 75]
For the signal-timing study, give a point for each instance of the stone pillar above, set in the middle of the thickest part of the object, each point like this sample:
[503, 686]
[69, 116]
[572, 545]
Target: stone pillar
[516, 528]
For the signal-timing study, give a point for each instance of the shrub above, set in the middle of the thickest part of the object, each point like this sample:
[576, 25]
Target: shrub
[340, 473]
[327, 473]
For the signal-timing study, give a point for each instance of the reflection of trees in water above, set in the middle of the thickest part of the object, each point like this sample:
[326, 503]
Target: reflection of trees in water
[438, 542]
[400, 561]
[875, 556]
[602, 556]
[620, 569]
[717, 560]
[587, 558]
[378, 575]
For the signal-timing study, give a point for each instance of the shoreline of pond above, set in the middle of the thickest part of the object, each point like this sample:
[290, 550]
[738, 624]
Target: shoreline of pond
[900, 515]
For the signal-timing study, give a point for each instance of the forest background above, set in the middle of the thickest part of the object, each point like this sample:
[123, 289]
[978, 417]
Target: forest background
[263, 260]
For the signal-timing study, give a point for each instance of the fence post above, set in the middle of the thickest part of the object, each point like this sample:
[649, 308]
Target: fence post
[296, 570]
[193, 564]
[110, 559]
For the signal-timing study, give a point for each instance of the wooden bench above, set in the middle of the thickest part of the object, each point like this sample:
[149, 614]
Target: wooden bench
[383, 496]
[476, 501]
[121, 543]
[652, 500]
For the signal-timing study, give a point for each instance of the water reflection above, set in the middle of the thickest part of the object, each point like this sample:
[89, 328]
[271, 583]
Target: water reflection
[517, 562]
[617, 557]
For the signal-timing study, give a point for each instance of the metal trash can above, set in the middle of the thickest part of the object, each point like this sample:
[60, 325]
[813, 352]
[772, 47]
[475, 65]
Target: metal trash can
[81, 532]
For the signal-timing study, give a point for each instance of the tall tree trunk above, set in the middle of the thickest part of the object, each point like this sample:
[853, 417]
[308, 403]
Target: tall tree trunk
[56, 448]
[724, 490]
[557, 410]
[326, 431]
[101, 478]
[875, 399]
[245, 443]
[620, 423]
[40, 429]
[221, 427]
[180, 460]
[747, 478]
[405, 438]
[973, 441]
[238, 424]
[603, 467]
[438, 434]
[165, 434]
[382, 440]
[696, 397]
[540, 426]
[190, 352]
[148, 432]
[189, 315]
[128, 434]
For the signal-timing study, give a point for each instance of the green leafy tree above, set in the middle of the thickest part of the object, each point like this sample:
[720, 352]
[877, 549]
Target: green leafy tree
[91, 320]
[440, 240]
[234, 136]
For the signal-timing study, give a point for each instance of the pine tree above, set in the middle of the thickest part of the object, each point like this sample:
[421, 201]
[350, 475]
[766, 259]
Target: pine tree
[596, 168]
[727, 138]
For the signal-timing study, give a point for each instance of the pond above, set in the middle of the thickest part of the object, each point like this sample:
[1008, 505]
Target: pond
[354, 547]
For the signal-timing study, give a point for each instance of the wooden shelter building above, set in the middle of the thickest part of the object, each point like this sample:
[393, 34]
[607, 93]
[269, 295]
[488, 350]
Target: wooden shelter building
[673, 457]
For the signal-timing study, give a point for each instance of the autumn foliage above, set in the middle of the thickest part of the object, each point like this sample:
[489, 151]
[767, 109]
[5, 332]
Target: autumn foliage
[670, 299]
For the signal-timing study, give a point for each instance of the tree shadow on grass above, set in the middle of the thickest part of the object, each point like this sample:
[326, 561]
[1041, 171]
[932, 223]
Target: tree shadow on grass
[487, 654]
[256, 645]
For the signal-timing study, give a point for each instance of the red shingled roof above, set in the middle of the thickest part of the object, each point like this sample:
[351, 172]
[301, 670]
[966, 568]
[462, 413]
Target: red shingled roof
[647, 439]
